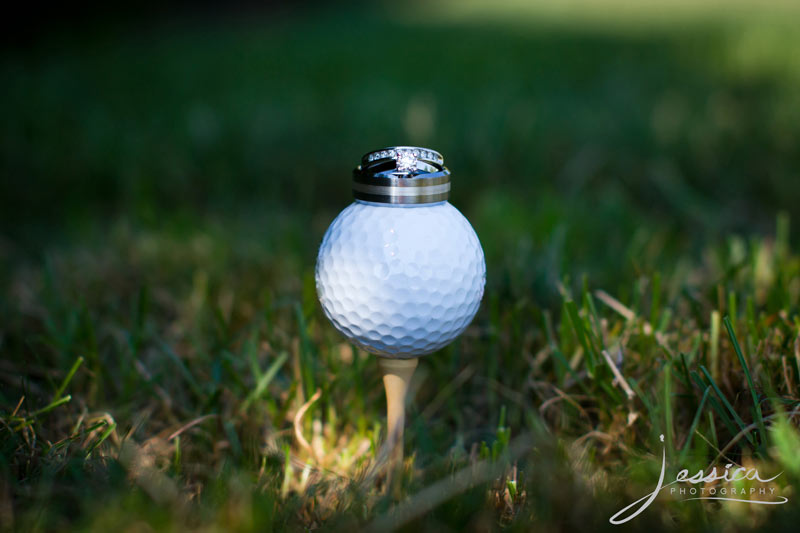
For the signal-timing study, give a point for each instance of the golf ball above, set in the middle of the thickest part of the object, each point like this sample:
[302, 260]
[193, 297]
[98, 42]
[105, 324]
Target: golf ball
[400, 281]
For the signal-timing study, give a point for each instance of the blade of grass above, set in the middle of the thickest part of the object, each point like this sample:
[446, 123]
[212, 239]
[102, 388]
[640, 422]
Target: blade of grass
[687, 445]
[655, 306]
[666, 316]
[102, 438]
[615, 304]
[61, 388]
[623, 383]
[756, 405]
[698, 338]
[714, 341]
[687, 381]
[561, 366]
[52, 405]
[668, 415]
[264, 381]
[193, 384]
[797, 355]
[712, 426]
[580, 332]
[251, 351]
[176, 461]
[558, 355]
[233, 438]
[716, 407]
[306, 359]
[782, 225]
[594, 320]
[727, 404]
[287, 471]
[640, 393]
[750, 310]
[615, 396]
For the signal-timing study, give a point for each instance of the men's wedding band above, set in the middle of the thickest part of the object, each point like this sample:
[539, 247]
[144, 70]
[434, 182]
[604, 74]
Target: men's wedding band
[424, 188]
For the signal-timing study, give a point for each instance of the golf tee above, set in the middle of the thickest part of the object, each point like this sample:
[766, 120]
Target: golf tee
[396, 378]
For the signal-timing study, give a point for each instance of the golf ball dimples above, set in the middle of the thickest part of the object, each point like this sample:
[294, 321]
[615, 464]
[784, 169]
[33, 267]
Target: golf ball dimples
[400, 281]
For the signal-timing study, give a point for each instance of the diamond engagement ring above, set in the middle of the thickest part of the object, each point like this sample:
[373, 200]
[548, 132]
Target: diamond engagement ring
[402, 175]
[402, 170]
[406, 158]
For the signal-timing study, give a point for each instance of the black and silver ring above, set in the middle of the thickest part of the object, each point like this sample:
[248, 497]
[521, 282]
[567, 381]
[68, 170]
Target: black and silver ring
[420, 189]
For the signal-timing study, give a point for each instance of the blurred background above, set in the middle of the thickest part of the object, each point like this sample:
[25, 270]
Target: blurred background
[167, 173]
[568, 126]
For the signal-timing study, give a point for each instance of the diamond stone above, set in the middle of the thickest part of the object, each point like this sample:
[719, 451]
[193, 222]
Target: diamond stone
[406, 161]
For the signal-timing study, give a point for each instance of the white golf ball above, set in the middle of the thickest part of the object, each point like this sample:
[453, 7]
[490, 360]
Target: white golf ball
[400, 281]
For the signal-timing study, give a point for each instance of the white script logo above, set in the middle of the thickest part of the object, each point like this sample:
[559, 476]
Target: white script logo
[703, 493]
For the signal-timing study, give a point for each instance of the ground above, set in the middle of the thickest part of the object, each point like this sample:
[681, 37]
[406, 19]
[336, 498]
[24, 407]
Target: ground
[632, 176]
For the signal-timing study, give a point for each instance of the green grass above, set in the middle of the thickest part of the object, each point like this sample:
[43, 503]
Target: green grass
[163, 193]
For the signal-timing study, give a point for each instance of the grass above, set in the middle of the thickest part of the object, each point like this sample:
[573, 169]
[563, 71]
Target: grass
[165, 364]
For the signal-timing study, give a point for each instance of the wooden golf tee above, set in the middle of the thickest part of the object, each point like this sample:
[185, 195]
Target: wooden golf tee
[396, 377]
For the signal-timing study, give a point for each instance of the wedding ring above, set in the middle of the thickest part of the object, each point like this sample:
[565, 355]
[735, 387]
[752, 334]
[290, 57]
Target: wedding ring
[405, 157]
[388, 167]
[402, 175]
[421, 189]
